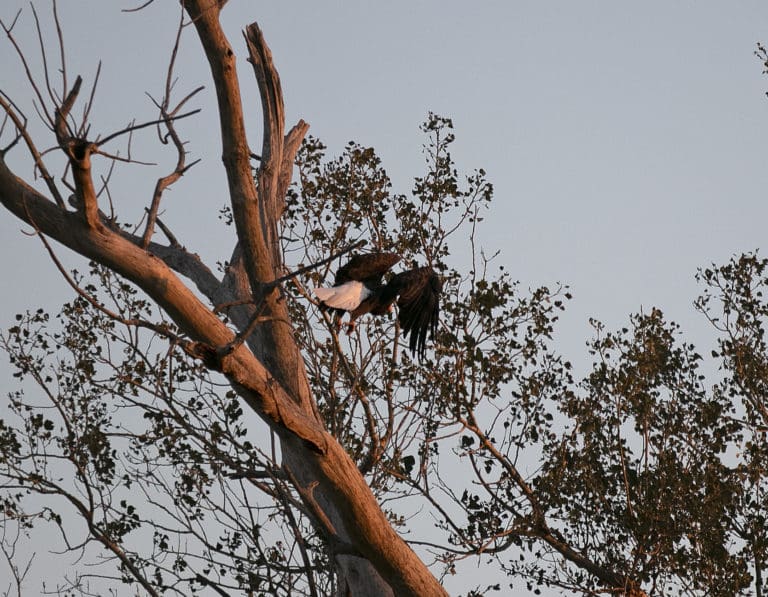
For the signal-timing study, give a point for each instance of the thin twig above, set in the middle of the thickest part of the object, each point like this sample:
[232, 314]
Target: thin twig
[13, 23]
[89, 104]
[16, 139]
[183, 101]
[168, 234]
[16, 116]
[242, 336]
[44, 58]
[291, 275]
[172, 62]
[128, 129]
[181, 166]
[312, 266]
[27, 69]
[127, 160]
[138, 8]
[60, 36]
[105, 180]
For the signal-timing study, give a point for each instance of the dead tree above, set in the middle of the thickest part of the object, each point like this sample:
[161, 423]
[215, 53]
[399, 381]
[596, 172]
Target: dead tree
[267, 370]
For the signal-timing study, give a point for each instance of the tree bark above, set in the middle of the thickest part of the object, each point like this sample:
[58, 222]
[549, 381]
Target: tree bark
[257, 210]
[370, 556]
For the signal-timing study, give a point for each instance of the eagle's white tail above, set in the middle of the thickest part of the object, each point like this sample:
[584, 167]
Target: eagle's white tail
[347, 296]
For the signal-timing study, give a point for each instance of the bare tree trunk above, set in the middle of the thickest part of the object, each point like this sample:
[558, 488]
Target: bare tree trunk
[261, 259]
[370, 556]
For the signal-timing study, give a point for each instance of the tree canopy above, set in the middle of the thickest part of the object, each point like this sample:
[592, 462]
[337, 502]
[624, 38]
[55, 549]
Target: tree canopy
[187, 430]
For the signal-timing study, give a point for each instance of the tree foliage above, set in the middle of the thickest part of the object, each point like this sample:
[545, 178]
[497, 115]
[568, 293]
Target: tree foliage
[131, 437]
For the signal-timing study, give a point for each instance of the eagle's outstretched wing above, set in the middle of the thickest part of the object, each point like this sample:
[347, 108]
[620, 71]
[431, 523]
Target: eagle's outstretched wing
[358, 289]
[367, 268]
[418, 301]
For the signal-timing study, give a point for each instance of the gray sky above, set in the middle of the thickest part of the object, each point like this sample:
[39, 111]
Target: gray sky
[626, 141]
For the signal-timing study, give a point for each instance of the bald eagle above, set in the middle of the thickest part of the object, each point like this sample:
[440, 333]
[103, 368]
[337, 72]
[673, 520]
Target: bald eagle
[359, 289]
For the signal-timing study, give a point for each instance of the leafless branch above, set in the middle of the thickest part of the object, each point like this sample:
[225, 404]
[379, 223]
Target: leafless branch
[105, 183]
[60, 37]
[310, 267]
[83, 132]
[8, 548]
[136, 127]
[16, 138]
[168, 234]
[8, 32]
[13, 23]
[138, 8]
[20, 122]
[119, 158]
[167, 116]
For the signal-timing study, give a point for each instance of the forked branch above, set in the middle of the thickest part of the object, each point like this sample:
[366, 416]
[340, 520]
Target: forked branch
[278, 150]
[168, 116]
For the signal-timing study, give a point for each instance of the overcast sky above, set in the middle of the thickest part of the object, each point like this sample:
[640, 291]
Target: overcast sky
[626, 141]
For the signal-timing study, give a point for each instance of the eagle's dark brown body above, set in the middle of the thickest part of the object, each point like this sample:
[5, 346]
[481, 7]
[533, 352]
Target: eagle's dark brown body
[359, 289]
